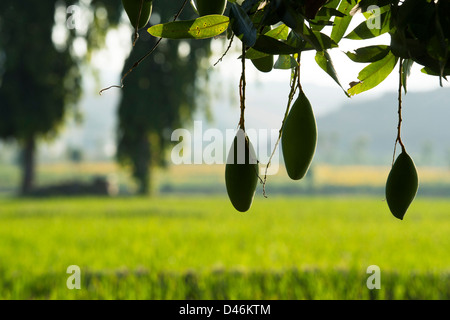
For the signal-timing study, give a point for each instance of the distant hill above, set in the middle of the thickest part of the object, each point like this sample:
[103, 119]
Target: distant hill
[360, 130]
[364, 132]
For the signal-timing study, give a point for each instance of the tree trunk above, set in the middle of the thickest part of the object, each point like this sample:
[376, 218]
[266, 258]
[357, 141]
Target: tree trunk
[143, 166]
[144, 183]
[28, 162]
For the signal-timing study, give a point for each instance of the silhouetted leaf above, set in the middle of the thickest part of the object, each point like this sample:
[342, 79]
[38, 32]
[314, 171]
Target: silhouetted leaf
[341, 23]
[369, 29]
[369, 54]
[374, 74]
[323, 59]
[242, 25]
[285, 62]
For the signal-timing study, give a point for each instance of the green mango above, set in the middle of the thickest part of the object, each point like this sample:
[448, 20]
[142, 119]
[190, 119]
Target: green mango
[241, 172]
[299, 138]
[207, 7]
[264, 64]
[402, 185]
[132, 8]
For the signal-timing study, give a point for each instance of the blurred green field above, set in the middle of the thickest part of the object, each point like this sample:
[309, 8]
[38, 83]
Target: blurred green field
[209, 179]
[182, 247]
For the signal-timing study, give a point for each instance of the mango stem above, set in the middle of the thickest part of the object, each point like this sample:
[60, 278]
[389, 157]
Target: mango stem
[400, 118]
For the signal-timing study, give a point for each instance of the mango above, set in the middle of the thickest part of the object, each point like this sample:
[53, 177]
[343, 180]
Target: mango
[402, 185]
[299, 138]
[241, 172]
[132, 8]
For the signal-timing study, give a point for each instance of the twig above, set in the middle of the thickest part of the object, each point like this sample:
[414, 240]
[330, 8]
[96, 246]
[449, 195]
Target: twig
[136, 28]
[298, 73]
[242, 85]
[400, 119]
[295, 85]
[136, 64]
[226, 51]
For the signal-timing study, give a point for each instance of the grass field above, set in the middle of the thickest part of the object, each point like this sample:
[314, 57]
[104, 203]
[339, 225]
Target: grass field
[181, 247]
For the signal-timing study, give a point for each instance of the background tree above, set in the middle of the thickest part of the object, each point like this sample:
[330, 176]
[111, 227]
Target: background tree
[158, 96]
[41, 79]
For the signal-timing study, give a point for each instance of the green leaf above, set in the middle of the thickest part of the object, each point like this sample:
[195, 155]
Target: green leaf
[294, 40]
[323, 59]
[272, 46]
[374, 74]
[341, 23]
[281, 32]
[309, 36]
[406, 71]
[200, 28]
[376, 9]
[315, 39]
[325, 41]
[287, 14]
[324, 15]
[439, 46]
[369, 54]
[254, 54]
[329, 12]
[242, 25]
[375, 26]
[333, 4]
[285, 62]
[432, 72]
[247, 5]
[364, 5]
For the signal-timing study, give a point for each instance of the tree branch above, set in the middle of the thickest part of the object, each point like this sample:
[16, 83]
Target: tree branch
[400, 118]
[137, 63]
[242, 85]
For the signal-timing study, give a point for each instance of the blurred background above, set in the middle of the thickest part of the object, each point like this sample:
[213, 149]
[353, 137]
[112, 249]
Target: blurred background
[85, 134]
[87, 179]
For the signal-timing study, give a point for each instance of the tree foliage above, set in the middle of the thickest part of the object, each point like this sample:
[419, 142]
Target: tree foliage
[160, 95]
[37, 79]
[41, 79]
[274, 33]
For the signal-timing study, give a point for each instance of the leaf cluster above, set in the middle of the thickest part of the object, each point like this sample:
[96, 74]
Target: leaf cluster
[419, 31]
